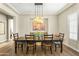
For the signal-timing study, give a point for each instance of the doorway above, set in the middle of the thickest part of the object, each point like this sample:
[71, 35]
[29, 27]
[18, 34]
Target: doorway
[10, 29]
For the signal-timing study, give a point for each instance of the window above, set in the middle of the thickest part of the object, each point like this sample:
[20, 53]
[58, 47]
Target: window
[73, 26]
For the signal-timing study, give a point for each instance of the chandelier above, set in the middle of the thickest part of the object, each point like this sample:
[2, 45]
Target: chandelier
[38, 13]
[38, 23]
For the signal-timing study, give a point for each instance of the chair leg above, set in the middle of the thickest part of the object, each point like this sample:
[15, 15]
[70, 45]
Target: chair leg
[51, 49]
[27, 50]
[55, 47]
[22, 46]
[61, 48]
[33, 50]
[42, 47]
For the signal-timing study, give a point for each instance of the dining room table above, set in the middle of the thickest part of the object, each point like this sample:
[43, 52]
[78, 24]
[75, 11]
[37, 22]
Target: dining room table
[23, 40]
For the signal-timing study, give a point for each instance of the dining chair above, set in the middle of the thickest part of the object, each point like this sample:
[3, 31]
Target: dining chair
[60, 37]
[30, 42]
[47, 42]
[16, 37]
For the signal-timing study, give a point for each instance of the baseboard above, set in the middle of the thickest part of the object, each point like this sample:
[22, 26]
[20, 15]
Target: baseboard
[72, 49]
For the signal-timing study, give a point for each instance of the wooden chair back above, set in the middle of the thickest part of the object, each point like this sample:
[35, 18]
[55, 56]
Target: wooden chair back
[30, 39]
[15, 36]
[48, 38]
[61, 36]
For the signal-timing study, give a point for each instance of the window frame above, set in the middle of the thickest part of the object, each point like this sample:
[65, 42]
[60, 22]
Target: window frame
[71, 15]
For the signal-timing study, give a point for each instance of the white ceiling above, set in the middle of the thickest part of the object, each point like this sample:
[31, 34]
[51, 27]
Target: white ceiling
[29, 8]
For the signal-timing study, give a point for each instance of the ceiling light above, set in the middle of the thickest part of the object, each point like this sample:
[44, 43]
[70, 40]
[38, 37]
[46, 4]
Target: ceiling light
[38, 12]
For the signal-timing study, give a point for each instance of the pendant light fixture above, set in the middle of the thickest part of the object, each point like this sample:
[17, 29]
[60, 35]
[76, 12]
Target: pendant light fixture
[38, 23]
[38, 12]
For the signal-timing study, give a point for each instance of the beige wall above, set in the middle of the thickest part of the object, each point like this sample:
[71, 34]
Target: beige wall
[3, 19]
[63, 26]
[5, 9]
[25, 26]
[52, 24]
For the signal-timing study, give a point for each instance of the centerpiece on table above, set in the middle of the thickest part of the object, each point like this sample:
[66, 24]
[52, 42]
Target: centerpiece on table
[39, 34]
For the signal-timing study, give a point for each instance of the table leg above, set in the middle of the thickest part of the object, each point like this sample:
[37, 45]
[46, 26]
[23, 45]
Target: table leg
[61, 47]
[15, 47]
